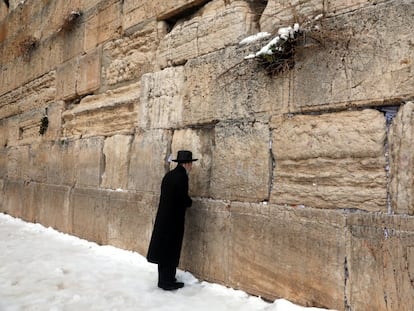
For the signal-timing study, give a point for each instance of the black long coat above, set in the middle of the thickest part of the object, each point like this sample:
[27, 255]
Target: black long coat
[168, 232]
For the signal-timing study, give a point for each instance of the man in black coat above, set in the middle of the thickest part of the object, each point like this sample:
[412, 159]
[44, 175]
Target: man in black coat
[168, 232]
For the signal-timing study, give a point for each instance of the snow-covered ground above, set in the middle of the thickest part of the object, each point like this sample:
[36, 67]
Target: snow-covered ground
[42, 269]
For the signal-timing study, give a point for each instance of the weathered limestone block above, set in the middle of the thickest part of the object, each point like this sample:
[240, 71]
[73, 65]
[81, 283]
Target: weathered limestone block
[206, 245]
[283, 13]
[213, 93]
[4, 133]
[35, 94]
[106, 114]
[128, 58]
[3, 163]
[116, 156]
[330, 161]
[241, 162]
[137, 11]
[216, 26]
[66, 79]
[17, 162]
[62, 162]
[29, 126]
[334, 7]
[89, 77]
[36, 166]
[102, 23]
[401, 142]
[162, 98]
[47, 204]
[89, 162]
[381, 262]
[293, 253]
[54, 116]
[200, 142]
[90, 214]
[130, 219]
[12, 202]
[373, 67]
[148, 160]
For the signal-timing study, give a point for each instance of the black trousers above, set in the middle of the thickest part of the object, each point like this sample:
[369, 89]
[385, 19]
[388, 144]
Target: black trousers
[166, 274]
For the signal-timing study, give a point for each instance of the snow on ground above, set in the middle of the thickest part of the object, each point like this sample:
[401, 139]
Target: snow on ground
[44, 270]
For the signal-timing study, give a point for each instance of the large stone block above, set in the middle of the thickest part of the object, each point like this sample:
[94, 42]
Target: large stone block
[90, 214]
[116, 152]
[334, 7]
[89, 162]
[330, 161]
[102, 23]
[89, 77]
[162, 98]
[130, 220]
[241, 162]
[62, 162]
[66, 76]
[380, 264]
[17, 162]
[200, 142]
[213, 93]
[207, 240]
[29, 126]
[13, 198]
[129, 57]
[216, 26]
[54, 117]
[148, 160]
[282, 13]
[47, 204]
[371, 64]
[401, 142]
[35, 94]
[297, 254]
[106, 114]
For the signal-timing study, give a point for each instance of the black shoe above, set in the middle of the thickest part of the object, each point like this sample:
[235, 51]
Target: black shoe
[171, 286]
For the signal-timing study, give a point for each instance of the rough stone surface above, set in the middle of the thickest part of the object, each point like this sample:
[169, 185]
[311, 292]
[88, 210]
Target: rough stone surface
[213, 93]
[103, 23]
[371, 64]
[35, 94]
[148, 160]
[380, 263]
[401, 139]
[330, 161]
[303, 189]
[162, 98]
[303, 266]
[116, 153]
[241, 162]
[206, 246]
[128, 58]
[214, 27]
[89, 78]
[99, 111]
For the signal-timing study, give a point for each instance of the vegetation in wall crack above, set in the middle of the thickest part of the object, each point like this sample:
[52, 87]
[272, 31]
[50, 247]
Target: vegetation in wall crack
[44, 124]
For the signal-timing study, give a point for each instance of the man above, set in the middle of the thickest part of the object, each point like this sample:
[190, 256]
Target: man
[168, 232]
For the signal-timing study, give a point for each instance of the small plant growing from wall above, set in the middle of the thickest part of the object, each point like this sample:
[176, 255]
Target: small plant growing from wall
[27, 46]
[44, 124]
[279, 54]
[70, 21]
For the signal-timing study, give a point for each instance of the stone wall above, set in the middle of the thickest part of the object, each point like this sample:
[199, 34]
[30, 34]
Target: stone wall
[304, 188]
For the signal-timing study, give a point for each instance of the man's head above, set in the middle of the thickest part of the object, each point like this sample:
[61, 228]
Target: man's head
[185, 158]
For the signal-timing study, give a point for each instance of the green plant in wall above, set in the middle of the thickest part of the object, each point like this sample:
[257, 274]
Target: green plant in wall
[44, 124]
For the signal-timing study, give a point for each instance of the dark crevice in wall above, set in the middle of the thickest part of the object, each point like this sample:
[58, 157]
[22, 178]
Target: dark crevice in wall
[182, 14]
[257, 6]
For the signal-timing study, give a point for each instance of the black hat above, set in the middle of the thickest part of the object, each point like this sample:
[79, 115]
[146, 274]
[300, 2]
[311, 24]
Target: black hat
[184, 156]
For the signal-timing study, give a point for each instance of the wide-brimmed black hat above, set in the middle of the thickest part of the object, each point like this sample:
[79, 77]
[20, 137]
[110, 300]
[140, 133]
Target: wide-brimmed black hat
[184, 156]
